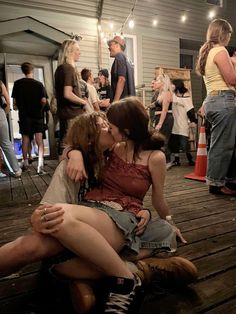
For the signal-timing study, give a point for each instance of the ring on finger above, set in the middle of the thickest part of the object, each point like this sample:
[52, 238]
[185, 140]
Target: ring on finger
[45, 211]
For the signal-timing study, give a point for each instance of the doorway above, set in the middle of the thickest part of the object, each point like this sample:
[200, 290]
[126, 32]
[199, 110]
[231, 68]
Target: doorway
[13, 73]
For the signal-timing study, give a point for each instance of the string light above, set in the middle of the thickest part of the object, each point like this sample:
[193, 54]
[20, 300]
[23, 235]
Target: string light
[130, 18]
[183, 18]
[155, 22]
[211, 15]
[131, 23]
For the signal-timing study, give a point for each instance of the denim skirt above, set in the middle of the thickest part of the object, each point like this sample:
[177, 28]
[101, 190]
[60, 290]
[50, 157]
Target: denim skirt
[159, 235]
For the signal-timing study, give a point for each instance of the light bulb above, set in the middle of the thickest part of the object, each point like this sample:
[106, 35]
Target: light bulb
[99, 27]
[111, 25]
[131, 23]
[211, 14]
[183, 18]
[155, 22]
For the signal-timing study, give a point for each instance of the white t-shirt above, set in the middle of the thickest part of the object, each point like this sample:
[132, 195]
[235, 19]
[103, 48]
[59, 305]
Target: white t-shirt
[180, 107]
[92, 98]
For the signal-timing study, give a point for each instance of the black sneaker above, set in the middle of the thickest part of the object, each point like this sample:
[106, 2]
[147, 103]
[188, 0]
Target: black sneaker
[123, 295]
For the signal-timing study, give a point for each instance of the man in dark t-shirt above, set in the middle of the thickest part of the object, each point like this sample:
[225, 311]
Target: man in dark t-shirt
[29, 97]
[122, 75]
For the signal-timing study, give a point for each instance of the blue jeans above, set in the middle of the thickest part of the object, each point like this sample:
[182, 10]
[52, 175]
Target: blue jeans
[6, 144]
[221, 113]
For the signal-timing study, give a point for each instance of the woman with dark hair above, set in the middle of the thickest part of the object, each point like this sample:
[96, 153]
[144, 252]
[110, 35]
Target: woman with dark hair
[183, 112]
[219, 75]
[104, 90]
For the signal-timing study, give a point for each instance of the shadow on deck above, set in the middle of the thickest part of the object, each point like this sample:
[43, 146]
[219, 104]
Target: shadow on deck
[208, 223]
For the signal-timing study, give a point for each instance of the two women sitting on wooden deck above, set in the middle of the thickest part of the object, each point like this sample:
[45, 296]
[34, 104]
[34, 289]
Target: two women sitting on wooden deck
[110, 219]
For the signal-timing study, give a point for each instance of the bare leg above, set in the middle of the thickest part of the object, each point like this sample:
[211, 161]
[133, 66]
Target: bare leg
[39, 142]
[25, 250]
[25, 146]
[93, 236]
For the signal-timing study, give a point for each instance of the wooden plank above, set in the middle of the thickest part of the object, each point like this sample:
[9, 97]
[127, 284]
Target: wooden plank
[228, 307]
[5, 190]
[216, 263]
[206, 295]
[208, 246]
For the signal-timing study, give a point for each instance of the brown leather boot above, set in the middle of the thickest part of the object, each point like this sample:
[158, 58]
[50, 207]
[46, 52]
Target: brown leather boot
[82, 295]
[169, 271]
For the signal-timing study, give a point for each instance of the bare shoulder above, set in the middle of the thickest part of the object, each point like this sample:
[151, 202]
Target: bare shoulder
[157, 157]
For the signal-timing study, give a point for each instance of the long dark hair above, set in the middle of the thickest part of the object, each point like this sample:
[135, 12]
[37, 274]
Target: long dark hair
[132, 120]
[217, 32]
[179, 86]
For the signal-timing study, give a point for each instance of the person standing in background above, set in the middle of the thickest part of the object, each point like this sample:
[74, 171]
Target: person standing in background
[104, 90]
[183, 112]
[5, 143]
[122, 74]
[70, 101]
[163, 119]
[219, 75]
[29, 98]
[93, 98]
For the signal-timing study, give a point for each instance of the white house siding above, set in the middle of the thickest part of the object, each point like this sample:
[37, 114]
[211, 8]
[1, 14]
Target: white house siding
[155, 46]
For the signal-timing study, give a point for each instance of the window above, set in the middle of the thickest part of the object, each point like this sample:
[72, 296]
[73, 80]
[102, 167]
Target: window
[186, 61]
[131, 52]
[216, 2]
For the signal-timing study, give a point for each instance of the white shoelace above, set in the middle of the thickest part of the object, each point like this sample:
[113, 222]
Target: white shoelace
[121, 301]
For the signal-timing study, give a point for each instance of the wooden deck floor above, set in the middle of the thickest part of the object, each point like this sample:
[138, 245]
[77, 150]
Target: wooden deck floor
[208, 222]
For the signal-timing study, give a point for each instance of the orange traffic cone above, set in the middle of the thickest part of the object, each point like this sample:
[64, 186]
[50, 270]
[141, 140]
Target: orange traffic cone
[201, 160]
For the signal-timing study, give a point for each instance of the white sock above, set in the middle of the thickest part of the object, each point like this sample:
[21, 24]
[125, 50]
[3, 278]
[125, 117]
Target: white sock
[40, 162]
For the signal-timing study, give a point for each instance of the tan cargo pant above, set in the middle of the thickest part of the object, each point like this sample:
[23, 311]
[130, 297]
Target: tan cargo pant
[61, 188]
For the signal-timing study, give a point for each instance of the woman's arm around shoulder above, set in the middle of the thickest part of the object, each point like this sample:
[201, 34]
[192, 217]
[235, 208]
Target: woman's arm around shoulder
[75, 164]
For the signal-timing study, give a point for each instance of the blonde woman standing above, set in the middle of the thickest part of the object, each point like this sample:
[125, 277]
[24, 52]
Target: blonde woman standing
[163, 120]
[216, 67]
[69, 92]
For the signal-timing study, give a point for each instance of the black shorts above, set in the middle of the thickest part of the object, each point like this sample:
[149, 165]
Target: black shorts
[29, 126]
[178, 143]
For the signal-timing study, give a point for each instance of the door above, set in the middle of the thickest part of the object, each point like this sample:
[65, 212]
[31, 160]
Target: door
[42, 73]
